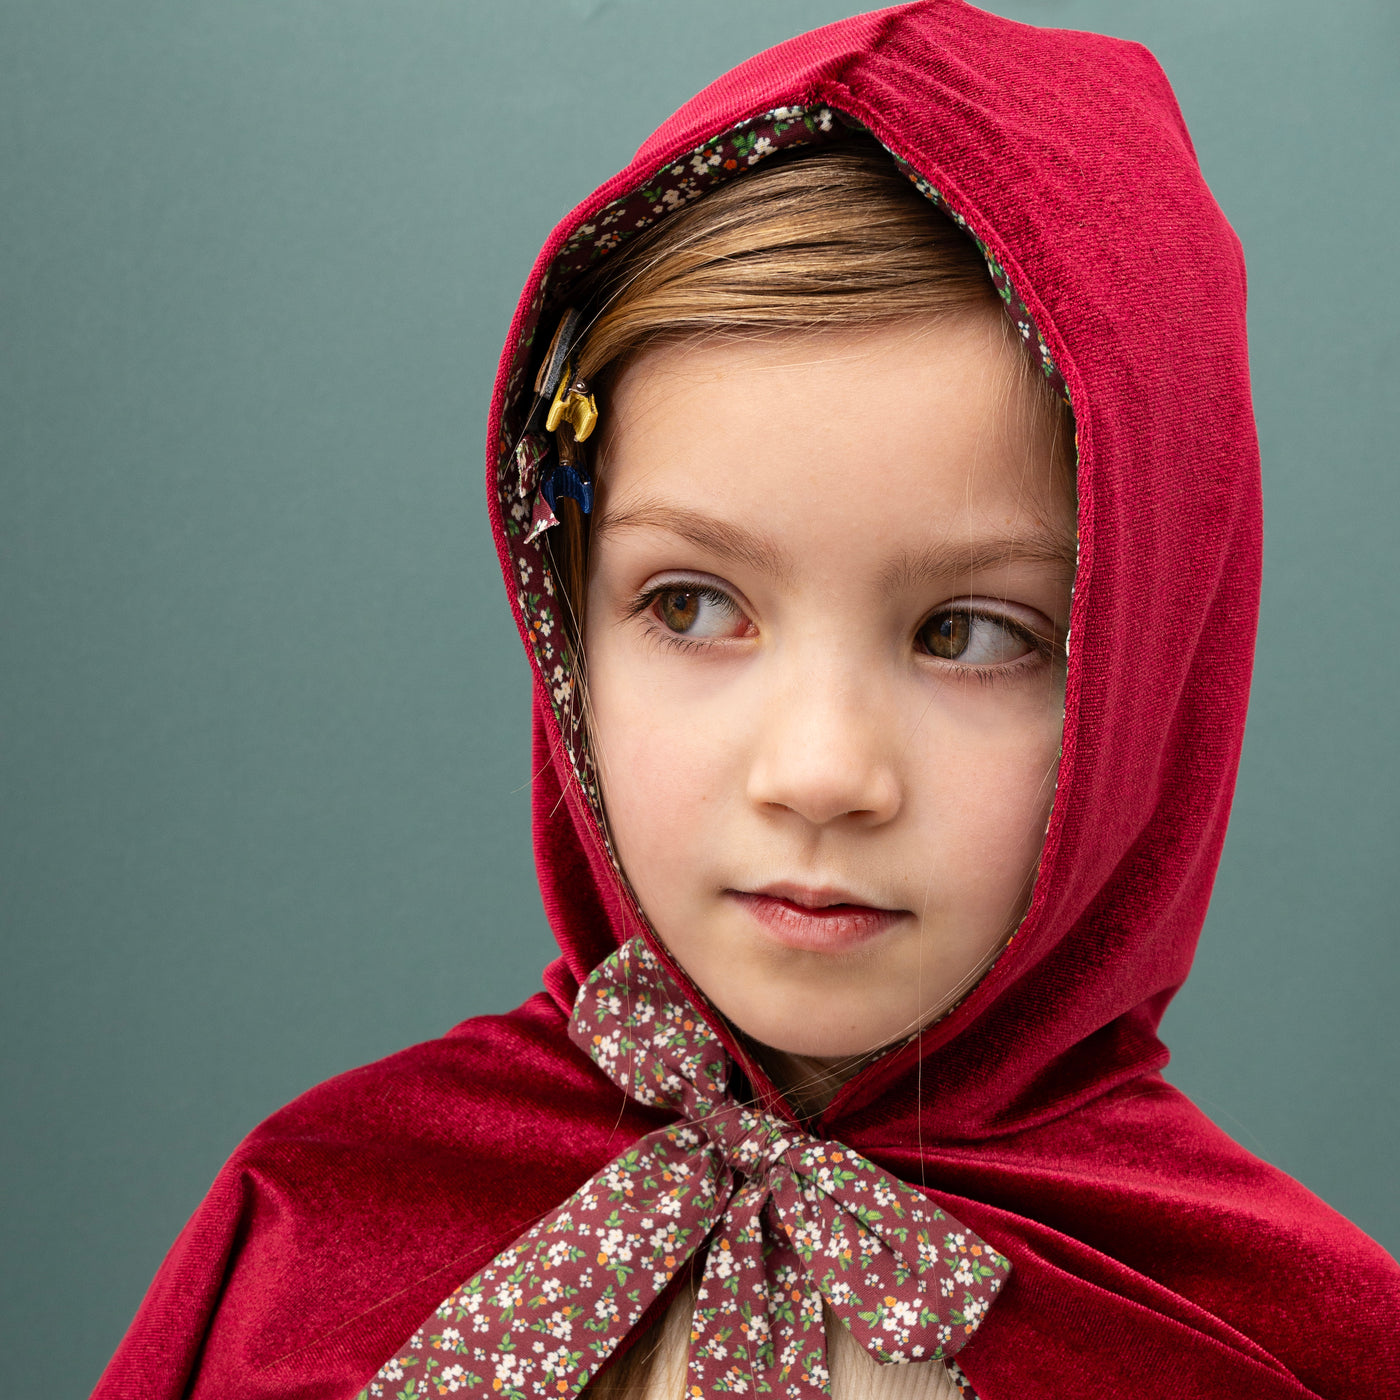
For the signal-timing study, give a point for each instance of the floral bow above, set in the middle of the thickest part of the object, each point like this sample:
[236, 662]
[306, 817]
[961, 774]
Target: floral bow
[789, 1221]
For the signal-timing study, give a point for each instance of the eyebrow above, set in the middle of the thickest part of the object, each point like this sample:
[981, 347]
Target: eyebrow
[949, 558]
[1033, 544]
[954, 557]
[736, 544]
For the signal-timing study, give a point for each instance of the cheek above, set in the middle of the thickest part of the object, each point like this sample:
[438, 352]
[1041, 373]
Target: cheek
[991, 800]
[661, 763]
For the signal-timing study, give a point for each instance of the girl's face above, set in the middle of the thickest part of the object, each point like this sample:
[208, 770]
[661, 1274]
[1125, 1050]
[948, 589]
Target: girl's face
[830, 584]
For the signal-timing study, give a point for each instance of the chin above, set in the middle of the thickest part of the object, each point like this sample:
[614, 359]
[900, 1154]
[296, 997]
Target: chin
[815, 1037]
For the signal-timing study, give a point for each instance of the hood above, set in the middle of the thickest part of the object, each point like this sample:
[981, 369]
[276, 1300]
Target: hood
[1120, 271]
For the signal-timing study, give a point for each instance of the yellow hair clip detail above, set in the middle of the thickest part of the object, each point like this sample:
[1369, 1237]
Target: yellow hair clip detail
[574, 405]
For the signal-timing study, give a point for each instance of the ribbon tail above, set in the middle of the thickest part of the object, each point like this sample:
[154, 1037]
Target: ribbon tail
[730, 1344]
[545, 1314]
[795, 1317]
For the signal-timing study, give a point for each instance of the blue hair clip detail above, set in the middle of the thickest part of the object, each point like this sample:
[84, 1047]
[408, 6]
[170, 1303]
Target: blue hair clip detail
[566, 480]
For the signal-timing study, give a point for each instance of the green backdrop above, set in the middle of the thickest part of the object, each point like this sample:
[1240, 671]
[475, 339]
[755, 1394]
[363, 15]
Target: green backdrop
[263, 713]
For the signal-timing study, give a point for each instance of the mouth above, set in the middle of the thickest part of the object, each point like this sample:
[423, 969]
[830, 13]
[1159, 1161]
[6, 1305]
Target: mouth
[824, 920]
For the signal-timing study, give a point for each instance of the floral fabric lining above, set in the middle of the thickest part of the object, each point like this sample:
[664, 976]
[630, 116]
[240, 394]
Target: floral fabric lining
[783, 1220]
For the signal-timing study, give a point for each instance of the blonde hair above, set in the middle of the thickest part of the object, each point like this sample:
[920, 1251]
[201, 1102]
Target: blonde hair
[835, 238]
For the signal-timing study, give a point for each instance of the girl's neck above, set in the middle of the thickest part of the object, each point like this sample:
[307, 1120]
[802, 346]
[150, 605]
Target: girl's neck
[809, 1082]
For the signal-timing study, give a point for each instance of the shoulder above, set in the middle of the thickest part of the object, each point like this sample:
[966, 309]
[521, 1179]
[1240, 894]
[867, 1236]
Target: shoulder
[436, 1096]
[428, 1160]
[1182, 1202]
[344, 1218]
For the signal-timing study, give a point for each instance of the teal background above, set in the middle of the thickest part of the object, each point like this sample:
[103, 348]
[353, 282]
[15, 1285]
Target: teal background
[263, 711]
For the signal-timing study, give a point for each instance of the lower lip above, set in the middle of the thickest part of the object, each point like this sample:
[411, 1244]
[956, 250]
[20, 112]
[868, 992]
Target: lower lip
[834, 929]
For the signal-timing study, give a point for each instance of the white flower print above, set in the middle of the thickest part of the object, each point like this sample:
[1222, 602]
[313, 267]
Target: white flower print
[556, 1365]
[756, 1328]
[510, 1368]
[615, 1247]
[761, 147]
[900, 1316]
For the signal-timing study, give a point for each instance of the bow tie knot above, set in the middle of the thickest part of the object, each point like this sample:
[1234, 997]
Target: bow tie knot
[751, 1143]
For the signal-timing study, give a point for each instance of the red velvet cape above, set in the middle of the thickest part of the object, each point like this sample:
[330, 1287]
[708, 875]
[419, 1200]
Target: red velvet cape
[1153, 1256]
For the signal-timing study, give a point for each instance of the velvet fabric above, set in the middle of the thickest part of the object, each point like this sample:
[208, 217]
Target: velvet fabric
[1154, 1258]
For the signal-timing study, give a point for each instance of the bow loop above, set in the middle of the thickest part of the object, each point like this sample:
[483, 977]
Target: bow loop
[910, 1282]
[651, 1044]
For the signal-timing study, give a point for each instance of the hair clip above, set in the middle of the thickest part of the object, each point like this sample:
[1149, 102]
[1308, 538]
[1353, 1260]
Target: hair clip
[568, 398]
[567, 480]
[569, 402]
[556, 358]
[574, 405]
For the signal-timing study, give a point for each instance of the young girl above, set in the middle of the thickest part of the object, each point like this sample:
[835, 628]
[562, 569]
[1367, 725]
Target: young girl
[875, 484]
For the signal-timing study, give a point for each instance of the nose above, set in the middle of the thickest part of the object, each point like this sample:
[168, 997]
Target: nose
[827, 751]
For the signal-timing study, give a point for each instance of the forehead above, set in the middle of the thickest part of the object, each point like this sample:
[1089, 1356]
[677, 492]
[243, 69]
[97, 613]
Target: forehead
[888, 434]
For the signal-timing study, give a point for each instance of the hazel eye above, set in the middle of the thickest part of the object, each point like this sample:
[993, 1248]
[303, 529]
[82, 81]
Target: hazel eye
[698, 612]
[947, 634]
[974, 639]
[679, 608]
